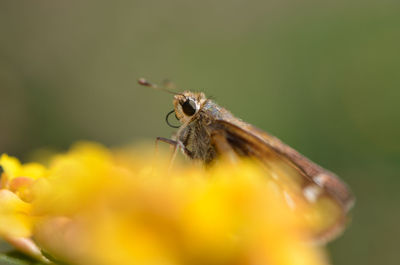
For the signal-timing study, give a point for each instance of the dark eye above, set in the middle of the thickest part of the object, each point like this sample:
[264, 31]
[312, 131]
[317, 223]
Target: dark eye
[189, 107]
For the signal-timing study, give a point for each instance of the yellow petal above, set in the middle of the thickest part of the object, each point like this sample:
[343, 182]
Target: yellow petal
[14, 216]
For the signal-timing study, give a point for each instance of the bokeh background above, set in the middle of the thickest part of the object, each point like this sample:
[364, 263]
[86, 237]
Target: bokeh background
[324, 76]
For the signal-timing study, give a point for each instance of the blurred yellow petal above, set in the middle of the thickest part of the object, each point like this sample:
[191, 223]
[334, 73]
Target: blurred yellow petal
[11, 165]
[13, 169]
[27, 246]
[14, 216]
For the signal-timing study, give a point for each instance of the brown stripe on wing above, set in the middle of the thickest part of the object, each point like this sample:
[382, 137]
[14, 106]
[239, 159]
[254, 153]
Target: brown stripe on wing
[284, 160]
[253, 140]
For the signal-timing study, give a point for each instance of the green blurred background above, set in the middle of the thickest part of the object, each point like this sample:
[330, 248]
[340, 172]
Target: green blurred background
[321, 75]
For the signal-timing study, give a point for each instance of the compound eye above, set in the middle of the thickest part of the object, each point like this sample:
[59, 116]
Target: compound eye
[189, 107]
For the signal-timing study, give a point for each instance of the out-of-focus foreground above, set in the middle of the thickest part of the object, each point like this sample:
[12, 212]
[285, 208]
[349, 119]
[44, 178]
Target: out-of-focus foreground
[322, 76]
[99, 207]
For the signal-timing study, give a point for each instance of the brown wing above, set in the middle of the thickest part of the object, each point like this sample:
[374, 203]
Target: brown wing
[316, 184]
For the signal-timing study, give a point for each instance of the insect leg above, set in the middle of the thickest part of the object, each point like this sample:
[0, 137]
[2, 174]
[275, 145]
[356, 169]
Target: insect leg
[166, 140]
[175, 144]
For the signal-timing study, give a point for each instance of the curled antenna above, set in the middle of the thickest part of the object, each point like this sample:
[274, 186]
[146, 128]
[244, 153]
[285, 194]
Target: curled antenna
[167, 119]
[144, 82]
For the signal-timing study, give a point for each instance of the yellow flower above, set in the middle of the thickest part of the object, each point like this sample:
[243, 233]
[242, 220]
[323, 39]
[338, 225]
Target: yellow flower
[15, 184]
[14, 212]
[18, 178]
[96, 206]
[16, 220]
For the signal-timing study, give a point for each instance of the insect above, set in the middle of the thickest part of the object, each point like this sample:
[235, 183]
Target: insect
[208, 131]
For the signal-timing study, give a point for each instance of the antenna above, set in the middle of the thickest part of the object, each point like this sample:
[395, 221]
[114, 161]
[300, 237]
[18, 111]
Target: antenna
[144, 82]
